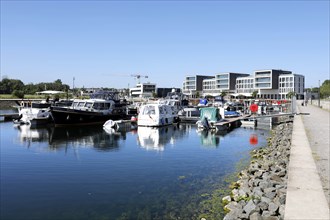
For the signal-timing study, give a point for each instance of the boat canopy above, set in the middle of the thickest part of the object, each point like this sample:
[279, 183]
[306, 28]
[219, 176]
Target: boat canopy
[51, 92]
[104, 94]
[211, 113]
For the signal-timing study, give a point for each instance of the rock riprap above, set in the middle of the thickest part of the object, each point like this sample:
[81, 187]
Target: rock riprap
[260, 192]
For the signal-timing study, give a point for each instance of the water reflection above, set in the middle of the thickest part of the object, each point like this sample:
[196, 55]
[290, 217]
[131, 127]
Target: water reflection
[210, 139]
[101, 139]
[128, 182]
[62, 138]
[157, 138]
[86, 136]
[28, 135]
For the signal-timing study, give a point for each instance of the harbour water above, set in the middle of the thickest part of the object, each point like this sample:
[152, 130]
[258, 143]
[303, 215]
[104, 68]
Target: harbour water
[89, 173]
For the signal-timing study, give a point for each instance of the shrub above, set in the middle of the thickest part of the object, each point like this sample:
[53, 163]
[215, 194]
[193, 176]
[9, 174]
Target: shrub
[18, 94]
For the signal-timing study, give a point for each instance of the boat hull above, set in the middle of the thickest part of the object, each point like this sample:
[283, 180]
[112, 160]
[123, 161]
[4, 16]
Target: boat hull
[68, 116]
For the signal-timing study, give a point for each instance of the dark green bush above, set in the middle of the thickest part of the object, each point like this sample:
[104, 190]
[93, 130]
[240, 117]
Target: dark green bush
[18, 94]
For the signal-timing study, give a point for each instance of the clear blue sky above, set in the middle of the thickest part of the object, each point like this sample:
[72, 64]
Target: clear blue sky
[101, 43]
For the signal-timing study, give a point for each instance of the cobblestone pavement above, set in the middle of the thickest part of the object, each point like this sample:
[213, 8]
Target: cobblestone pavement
[317, 127]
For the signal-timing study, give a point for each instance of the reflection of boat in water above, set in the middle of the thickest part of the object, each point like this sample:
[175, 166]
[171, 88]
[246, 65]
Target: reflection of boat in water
[86, 136]
[211, 139]
[57, 138]
[152, 138]
[29, 134]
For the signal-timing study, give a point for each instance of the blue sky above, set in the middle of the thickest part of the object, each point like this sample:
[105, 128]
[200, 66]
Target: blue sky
[102, 43]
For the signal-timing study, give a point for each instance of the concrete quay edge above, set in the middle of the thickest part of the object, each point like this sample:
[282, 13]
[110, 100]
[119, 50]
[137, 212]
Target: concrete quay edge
[305, 198]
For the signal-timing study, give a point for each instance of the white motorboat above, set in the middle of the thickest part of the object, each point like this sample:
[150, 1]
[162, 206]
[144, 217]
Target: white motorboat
[37, 112]
[156, 115]
[189, 115]
[120, 125]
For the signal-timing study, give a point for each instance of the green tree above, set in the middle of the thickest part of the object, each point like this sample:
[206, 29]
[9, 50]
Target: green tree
[30, 89]
[223, 93]
[325, 89]
[254, 94]
[291, 94]
[7, 86]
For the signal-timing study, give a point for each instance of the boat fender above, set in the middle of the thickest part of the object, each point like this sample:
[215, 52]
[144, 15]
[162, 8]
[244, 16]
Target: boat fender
[22, 103]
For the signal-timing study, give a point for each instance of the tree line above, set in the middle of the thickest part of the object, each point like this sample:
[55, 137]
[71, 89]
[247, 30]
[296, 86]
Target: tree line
[17, 88]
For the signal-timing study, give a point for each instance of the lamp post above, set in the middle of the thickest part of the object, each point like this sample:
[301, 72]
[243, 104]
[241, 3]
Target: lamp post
[311, 95]
[73, 86]
[319, 95]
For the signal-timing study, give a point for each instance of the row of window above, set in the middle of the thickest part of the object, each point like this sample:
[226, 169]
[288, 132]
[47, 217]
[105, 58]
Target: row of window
[222, 76]
[286, 79]
[245, 81]
[244, 90]
[244, 86]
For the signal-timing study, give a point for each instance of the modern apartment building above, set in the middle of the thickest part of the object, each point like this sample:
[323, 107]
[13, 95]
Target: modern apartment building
[193, 85]
[245, 85]
[266, 82]
[221, 82]
[291, 83]
[269, 84]
[226, 82]
[143, 90]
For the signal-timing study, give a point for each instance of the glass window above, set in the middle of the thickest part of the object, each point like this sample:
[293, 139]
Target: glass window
[225, 76]
[149, 110]
[106, 105]
[89, 104]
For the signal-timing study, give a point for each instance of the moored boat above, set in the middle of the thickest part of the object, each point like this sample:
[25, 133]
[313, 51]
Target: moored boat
[210, 118]
[156, 115]
[189, 115]
[102, 106]
[36, 112]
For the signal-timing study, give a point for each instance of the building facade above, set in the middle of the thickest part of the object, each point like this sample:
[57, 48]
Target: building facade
[226, 82]
[221, 82]
[143, 90]
[245, 86]
[193, 85]
[291, 83]
[267, 84]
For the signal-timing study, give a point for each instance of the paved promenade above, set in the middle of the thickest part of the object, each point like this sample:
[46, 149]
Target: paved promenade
[308, 181]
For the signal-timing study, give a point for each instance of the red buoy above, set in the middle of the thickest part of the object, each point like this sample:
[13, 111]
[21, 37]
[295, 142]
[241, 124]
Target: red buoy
[254, 108]
[253, 139]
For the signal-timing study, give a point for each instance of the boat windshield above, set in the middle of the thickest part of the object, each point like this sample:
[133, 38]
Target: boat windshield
[149, 110]
[81, 104]
[101, 105]
[89, 104]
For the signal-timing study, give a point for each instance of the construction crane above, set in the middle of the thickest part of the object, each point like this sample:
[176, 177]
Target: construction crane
[138, 76]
